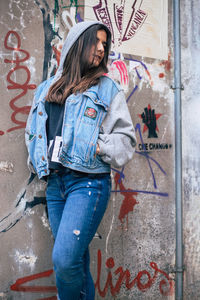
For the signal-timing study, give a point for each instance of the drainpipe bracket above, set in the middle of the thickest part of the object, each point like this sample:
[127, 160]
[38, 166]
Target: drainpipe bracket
[177, 87]
[179, 270]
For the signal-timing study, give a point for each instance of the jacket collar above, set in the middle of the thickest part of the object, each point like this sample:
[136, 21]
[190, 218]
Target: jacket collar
[104, 92]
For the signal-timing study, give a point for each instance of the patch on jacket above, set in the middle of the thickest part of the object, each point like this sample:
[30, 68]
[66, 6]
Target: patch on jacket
[90, 113]
[31, 137]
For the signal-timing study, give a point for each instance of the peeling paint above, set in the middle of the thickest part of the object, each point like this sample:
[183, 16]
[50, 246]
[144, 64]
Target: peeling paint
[159, 85]
[6, 166]
[45, 221]
[26, 258]
[23, 203]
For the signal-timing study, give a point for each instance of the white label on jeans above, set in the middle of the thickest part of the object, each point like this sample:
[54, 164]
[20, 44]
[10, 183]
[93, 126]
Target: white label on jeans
[56, 149]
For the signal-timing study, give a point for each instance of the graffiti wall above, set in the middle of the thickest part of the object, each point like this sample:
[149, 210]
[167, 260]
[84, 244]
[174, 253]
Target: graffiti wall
[133, 252]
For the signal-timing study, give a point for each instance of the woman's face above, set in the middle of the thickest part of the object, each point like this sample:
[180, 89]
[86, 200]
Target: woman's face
[97, 55]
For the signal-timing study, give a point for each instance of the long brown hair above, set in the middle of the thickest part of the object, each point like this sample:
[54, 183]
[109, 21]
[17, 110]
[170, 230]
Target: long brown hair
[77, 75]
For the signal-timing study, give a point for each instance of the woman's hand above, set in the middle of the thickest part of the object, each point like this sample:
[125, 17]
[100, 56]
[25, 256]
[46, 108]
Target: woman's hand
[97, 149]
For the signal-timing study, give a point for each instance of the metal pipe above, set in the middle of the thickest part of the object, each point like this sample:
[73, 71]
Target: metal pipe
[178, 151]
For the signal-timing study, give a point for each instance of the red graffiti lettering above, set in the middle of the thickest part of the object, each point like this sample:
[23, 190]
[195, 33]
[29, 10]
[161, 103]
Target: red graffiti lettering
[143, 280]
[19, 286]
[129, 201]
[124, 277]
[25, 86]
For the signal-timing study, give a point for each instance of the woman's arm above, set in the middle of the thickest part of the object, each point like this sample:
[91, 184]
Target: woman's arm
[117, 139]
[28, 135]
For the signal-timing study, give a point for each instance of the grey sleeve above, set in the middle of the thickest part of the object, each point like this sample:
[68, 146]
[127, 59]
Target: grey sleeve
[117, 139]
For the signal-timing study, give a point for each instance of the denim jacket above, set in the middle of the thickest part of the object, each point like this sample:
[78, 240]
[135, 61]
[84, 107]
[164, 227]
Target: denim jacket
[81, 131]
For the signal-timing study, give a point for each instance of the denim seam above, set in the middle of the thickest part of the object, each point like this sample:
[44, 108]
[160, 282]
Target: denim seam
[95, 207]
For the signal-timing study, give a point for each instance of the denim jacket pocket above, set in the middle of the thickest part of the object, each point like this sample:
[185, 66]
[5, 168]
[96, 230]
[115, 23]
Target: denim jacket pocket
[86, 141]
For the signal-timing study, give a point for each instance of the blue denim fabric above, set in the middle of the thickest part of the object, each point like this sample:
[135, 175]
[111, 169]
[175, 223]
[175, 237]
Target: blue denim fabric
[76, 204]
[79, 132]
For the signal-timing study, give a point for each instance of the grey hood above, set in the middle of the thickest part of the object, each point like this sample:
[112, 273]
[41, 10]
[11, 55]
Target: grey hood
[72, 37]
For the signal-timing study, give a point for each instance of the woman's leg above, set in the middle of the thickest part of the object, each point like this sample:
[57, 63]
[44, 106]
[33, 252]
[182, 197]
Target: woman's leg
[86, 202]
[88, 289]
[55, 201]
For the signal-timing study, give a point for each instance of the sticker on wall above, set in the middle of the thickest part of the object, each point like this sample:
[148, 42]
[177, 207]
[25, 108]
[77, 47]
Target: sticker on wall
[149, 118]
[137, 26]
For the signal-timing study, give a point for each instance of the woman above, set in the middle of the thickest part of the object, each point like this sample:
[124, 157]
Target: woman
[79, 125]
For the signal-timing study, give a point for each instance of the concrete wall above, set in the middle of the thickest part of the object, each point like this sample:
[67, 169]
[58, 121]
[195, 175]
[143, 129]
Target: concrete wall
[190, 24]
[133, 253]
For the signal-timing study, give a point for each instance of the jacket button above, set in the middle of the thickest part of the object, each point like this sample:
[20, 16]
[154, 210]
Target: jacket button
[43, 158]
[40, 136]
[40, 113]
[45, 171]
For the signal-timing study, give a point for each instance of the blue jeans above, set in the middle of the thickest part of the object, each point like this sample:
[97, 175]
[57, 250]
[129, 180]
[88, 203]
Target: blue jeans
[76, 204]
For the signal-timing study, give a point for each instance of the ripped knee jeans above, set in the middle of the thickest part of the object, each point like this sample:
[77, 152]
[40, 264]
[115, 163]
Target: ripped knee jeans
[76, 203]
